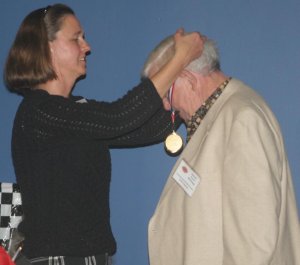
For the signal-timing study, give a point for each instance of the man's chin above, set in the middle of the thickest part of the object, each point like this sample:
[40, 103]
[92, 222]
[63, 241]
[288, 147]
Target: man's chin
[184, 116]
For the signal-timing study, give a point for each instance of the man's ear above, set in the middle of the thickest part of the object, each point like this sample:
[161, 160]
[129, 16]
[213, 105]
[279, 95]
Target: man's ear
[190, 78]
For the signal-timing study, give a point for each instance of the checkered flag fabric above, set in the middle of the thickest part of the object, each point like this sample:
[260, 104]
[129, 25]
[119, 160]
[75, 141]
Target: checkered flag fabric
[10, 211]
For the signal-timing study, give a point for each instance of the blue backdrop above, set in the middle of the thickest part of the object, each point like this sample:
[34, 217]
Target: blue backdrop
[259, 42]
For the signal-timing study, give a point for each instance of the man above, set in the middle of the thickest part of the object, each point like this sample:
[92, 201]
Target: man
[229, 199]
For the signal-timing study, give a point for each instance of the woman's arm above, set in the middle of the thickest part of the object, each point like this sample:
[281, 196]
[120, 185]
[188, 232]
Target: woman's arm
[154, 131]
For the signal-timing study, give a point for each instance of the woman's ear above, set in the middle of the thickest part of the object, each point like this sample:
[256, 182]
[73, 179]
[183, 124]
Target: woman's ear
[51, 47]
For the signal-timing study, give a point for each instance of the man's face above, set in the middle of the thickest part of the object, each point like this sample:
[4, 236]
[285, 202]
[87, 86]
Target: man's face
[182, 95]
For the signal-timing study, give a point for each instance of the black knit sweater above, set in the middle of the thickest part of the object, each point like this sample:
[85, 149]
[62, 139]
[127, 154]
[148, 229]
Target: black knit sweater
[60, 150]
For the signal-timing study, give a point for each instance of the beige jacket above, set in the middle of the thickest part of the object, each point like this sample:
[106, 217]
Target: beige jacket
[243, 212]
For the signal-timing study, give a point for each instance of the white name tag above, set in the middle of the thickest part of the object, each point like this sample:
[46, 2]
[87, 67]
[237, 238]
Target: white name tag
[186, 177]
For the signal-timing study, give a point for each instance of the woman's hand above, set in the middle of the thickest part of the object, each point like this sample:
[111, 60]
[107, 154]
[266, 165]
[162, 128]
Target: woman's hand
[188, 46]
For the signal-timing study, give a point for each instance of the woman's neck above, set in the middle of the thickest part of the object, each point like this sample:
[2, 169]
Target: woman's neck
[57, 87]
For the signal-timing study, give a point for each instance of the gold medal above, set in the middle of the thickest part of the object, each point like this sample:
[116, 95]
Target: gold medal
[173, 144]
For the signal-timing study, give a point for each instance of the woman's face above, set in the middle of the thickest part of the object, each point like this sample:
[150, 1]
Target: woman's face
[69, 50]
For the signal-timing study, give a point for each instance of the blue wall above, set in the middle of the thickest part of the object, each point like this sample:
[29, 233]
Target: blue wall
[259, 42]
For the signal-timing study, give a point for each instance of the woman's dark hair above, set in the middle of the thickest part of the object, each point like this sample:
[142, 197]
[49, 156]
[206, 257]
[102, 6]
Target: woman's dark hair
[29, 60]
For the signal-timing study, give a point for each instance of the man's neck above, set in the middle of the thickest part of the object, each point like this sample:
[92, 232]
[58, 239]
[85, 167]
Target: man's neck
[206, 86]
[209, 83]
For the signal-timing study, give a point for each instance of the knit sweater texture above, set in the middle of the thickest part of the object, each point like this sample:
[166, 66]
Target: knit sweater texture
[60, 150]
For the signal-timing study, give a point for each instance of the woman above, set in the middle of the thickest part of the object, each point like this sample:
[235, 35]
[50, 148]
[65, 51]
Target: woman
[60, 143]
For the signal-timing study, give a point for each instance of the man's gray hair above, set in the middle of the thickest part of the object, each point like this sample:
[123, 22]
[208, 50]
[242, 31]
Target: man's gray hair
[208, 61]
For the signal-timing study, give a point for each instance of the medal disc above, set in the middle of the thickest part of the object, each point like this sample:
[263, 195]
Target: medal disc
[173, 144]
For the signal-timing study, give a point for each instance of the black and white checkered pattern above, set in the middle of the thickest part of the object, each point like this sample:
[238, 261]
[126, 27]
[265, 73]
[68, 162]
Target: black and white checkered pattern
[10, 211]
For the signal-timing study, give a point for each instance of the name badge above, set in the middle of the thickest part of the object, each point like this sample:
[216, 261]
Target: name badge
[186, 177]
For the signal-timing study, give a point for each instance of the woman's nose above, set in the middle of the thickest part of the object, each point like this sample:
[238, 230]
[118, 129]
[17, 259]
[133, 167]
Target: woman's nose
[85, 46]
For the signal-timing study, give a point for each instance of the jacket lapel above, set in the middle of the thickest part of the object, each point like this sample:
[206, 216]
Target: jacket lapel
[200, 135]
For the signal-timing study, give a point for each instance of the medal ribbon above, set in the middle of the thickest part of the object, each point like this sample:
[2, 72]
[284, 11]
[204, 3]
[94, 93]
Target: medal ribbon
[170, 96]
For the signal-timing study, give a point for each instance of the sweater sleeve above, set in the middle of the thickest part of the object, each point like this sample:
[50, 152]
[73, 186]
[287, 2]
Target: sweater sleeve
[154, 130]
[56, 115]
